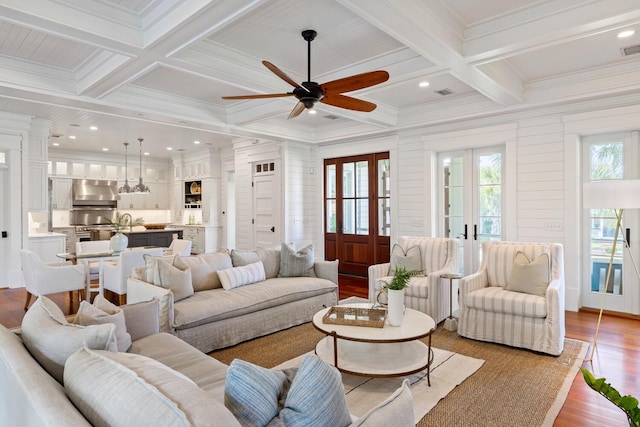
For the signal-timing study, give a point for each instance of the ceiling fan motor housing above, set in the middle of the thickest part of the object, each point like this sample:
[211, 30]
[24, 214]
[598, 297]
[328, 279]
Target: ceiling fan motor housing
[310, 96]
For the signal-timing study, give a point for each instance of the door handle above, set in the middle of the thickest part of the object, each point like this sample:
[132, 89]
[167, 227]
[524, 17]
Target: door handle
[464, 235]
[627, 237]
[273, 229]
[475, 231]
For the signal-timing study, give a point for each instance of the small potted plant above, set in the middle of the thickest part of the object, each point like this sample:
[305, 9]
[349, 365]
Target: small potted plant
[395, 294]
[121, 221]
[628, 403]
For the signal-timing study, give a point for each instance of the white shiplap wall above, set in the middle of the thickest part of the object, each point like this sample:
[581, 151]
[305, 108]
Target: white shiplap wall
[301, 214]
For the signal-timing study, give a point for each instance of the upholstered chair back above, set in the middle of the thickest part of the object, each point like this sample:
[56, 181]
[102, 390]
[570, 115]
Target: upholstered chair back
[435, 251]
[497, 259]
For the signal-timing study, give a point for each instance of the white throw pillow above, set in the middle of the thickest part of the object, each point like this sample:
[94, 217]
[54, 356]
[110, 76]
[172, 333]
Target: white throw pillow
[240, 276]
[103, 311]
[397, 410]
[175, 277]
[411, 259]
[529, 277]
[51, 339]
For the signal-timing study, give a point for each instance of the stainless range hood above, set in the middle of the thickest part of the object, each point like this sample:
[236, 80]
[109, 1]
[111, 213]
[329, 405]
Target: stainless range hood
[93, 192]
[94, 201]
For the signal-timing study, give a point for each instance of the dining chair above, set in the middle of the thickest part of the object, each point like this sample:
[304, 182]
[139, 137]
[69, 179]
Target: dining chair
[44, 279]
[180, 247]
[115, 275]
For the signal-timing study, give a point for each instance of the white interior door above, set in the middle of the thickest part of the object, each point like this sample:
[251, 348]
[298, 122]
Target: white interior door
[471, 201]
[612, 156]
[4, 223]
[266, 206]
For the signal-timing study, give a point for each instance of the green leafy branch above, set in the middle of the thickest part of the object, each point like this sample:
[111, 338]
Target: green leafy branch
[401, 278]
[628, 403]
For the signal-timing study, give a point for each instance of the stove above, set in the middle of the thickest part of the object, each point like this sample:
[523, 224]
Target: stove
[83, 234]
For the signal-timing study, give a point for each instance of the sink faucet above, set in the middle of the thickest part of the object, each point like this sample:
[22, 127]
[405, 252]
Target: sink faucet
[130, 220]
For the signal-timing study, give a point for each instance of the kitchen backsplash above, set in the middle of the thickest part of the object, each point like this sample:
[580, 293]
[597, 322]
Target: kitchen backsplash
[155, 216]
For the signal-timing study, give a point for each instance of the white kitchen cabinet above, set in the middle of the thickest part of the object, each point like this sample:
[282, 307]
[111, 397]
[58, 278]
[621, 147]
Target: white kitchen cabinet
[210, 198]
[61, 194]
[47, 245]
[37, 194]
[177, 201]
[204, 239]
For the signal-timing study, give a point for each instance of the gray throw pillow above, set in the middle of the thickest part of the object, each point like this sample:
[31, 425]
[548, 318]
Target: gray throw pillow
[270, 258]
[296, 263]
[103, 311]
[411, 259]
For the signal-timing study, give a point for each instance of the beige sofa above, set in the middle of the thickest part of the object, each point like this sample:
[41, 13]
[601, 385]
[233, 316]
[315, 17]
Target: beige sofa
[160, 380]
[214, 317]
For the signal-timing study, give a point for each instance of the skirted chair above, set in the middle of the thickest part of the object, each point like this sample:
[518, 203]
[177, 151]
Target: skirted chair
[44, 279]
[93, 246]
[516, 297]
[428, 293]
[115, 275]
[180, 247]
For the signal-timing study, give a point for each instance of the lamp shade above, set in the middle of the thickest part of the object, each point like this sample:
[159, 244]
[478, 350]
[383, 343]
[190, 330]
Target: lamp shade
[611, 194]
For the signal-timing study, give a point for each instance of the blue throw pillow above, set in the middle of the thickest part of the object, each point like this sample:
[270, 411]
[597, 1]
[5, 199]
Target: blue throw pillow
[251, 392]
[316, 397]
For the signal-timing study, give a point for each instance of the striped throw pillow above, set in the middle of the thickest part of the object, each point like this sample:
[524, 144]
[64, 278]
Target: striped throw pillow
[240, 276]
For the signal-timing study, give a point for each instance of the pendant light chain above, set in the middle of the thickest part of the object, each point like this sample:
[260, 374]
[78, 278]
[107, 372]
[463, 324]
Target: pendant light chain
[125, 188]
[140, 187]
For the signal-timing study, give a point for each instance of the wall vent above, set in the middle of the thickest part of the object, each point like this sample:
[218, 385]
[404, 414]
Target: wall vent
[630, 50]
[444, 92]
[331, 117]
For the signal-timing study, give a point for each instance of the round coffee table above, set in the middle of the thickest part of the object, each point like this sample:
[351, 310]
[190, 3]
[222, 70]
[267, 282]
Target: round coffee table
[390, 351]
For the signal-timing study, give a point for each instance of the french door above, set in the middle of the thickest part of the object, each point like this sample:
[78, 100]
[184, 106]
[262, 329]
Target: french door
[470, 201]
[357, 211]
[611, 157]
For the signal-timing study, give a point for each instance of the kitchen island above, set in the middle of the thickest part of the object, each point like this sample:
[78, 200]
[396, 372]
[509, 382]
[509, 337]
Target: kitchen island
[160, 238]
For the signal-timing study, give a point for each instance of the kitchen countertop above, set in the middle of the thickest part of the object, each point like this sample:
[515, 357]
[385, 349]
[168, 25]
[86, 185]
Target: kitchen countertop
[157, 230]
[47, 234]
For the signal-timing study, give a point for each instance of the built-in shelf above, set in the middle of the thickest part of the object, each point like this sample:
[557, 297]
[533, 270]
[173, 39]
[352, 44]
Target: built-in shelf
[192, 195]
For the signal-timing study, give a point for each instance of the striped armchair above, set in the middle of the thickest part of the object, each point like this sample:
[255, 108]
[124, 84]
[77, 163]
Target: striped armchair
[488, 312]
[429, 293]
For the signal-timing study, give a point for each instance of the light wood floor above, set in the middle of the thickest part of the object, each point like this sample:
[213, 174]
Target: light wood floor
[617, 357]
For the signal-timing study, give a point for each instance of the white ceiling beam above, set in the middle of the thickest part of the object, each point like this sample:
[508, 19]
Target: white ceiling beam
[429, 33]
[546, 24]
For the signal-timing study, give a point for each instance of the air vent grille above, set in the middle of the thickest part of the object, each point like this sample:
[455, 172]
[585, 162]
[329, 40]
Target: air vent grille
[444, 92]
[331, 117]
[630, 50]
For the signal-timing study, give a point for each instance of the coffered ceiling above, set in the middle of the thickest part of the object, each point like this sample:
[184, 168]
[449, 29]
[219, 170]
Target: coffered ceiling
[157, 69]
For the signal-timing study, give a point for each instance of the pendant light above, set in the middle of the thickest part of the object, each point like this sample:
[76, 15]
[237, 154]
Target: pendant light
[125, 188]
[140, 188]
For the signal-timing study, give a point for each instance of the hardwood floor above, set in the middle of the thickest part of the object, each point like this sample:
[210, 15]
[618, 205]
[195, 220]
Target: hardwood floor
[616, 357]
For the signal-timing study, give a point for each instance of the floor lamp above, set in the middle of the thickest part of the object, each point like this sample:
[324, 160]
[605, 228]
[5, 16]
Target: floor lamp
[618, 194]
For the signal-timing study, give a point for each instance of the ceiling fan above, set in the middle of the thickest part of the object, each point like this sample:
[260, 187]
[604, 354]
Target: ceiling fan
[308, 93]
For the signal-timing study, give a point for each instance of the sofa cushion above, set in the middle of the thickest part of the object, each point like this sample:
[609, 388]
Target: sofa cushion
[411, 259]
[252, 393]
[396, 410]
[176, 277]
[316, 396]
[218, 304]
[296, 263]
[239, 276]
[151, 266]
[137, 390]
[270, 257]
[51, 339]
[142, 318]
[497, 300]
[530, 277]
[103, 311]
[204, 269]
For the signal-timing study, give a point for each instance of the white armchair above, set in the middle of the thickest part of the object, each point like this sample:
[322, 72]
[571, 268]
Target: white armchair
[44, 279]
[429, 293]
[179, 247]
[115, 275]
[488, 312]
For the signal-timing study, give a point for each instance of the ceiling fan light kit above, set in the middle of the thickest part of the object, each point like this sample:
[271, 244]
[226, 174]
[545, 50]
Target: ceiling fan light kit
[309, 93]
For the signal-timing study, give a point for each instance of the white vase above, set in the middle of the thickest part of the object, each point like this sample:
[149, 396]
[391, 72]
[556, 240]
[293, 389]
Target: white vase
[119, 242]
[395, 307]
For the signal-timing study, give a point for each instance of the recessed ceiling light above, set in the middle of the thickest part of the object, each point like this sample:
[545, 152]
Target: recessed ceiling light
[169, 148]
[423, 84]
[627, 33]
[105, 149]
[196, 142]
[72, 137]
[312, 111]
[146, 153]
[93, 127]
[55, 144]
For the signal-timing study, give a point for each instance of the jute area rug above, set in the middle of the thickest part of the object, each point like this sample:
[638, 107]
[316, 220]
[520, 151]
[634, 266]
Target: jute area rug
[513, 387]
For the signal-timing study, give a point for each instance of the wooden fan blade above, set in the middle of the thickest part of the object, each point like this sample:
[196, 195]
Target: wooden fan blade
[267, 95]
[355, 82]
[348, 102]
[278, 72]
[299, 108]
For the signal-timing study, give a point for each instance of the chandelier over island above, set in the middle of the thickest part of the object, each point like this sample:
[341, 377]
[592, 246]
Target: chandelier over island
[140, 187]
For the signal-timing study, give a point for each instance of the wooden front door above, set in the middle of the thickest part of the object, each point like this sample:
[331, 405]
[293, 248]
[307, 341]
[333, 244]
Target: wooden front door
[357, 214]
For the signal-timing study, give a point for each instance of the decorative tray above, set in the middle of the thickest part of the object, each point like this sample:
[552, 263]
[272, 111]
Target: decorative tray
[355, 316]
